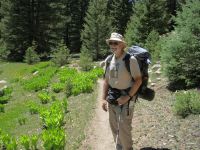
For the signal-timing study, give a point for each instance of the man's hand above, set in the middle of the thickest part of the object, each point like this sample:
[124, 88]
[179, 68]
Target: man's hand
[104, 105]
[123, 99]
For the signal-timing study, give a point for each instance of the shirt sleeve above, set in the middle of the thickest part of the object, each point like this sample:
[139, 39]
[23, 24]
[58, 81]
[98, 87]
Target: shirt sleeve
[134, 68]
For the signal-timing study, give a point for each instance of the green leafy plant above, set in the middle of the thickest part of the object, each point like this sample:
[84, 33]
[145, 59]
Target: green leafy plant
[44, 97]
[33, 140]
[8, 142]
[25, 141]
[2, 108]
[66, 74]
[57, 87]
[54, 139]
[6, 95]
[41, 81]
[53, 118]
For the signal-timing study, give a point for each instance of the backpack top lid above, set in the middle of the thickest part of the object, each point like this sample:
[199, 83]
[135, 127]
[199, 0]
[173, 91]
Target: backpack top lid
[140, 53]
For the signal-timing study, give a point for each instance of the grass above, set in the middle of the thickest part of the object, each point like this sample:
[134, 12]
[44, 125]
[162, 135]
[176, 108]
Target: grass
[80, 107]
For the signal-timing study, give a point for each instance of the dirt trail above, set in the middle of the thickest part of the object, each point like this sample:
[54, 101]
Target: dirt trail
[99, 136]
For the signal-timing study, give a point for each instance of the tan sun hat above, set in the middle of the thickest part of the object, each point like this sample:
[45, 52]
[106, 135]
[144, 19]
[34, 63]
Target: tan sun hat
[116, 37]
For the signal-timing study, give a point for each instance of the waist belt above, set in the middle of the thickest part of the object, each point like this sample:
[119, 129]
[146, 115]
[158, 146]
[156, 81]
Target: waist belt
[114, 94]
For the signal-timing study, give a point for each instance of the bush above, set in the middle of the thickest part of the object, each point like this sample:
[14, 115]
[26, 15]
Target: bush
[57, 87]
[3, 51]
[181, 49]
[8, 142]
[61, 54]
[2, 108]
[25, 141]
[69, 87]
[85, 61]
[187, 102]
[44, 97]
[54, 139]
[31, 56]
[151, 44]
[6, 95]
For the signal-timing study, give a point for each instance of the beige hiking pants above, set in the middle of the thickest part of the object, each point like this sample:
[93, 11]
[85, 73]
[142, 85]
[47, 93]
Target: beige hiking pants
[125, 138]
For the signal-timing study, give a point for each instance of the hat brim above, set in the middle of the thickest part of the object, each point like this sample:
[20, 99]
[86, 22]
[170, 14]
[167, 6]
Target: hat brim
[114, 39]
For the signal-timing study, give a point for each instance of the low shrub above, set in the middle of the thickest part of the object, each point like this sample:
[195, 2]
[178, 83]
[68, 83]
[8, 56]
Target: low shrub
[6, 95]
[2, 108]
[186, 103]
[31, 55]
[25, 142]
[54, 139]
[69, 87]
[41, 81]
[8, 142]
[57, 87]
[53, 118]
[44, 97]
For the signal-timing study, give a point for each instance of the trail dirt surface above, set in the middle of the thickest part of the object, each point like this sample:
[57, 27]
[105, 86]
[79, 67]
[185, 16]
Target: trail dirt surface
[98, 134]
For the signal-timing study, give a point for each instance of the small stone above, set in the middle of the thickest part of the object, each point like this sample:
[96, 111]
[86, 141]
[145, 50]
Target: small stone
[36, 72]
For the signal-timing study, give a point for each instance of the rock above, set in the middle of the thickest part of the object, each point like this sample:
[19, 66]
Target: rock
[149, 71]
[156, 66]
[158, 71]
[158, 79]
[36, 72]
[3, 82]
[149, 81]
[153, 84]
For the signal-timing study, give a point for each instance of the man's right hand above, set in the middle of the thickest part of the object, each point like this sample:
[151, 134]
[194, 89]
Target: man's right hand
[104, 105]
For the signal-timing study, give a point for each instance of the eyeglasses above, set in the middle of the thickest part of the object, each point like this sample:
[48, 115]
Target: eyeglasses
[113, 43]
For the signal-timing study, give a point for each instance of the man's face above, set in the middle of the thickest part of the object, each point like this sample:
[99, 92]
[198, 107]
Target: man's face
[116, 47]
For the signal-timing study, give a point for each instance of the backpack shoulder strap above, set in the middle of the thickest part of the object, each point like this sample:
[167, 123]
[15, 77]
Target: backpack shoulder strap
[107, 63]
[127, 62]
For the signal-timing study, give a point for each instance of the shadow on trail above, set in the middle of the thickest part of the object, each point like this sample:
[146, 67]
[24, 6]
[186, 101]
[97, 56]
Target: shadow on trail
[150, 148]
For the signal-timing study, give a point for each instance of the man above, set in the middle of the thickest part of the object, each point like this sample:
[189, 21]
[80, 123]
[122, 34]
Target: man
[118, 80]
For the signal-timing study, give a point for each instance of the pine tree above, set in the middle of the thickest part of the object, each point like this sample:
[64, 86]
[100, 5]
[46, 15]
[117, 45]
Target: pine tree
[147, 15]
[75, 12]
[32, 20]
[61, 54]
[49, 24]
[120, 12]
[16, 28]
[5, 6]
[181, 50]
[97, 28]
[31, 56]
